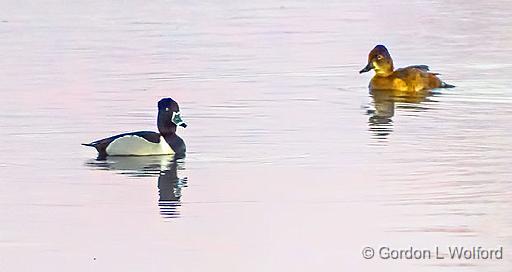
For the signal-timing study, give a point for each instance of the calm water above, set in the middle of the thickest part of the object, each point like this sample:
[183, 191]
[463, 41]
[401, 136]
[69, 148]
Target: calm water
[292, 165]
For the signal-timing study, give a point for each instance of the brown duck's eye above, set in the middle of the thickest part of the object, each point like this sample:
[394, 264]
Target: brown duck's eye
[378, 57]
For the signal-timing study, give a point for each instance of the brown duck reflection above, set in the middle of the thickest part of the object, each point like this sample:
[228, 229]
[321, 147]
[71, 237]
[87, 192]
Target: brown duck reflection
[386, 102]
[165, 167]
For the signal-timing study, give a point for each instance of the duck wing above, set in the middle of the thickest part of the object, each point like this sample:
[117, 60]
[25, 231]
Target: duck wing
[421, 67]
[101, 145]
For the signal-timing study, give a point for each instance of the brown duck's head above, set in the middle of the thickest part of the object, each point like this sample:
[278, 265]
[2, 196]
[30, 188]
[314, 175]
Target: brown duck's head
[379, 60]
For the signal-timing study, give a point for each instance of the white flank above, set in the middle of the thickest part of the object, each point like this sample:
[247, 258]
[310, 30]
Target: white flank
[138, 146]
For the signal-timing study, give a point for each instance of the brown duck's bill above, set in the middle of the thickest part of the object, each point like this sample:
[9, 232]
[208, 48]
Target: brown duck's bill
[368, 67]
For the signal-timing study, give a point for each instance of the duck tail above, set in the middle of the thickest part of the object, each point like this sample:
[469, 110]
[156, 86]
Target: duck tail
[446, 85]
[102, 152]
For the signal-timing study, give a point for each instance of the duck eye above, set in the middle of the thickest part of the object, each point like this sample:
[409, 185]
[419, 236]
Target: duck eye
[379, 57]
[166, 109]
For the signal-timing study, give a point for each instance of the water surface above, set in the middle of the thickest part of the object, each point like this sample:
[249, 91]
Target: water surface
[292, 164]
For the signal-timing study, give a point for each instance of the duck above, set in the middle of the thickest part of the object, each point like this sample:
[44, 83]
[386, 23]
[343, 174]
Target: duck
[411, 79]
[146, 143]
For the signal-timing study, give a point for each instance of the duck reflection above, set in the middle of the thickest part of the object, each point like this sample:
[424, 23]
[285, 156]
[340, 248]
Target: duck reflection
[384, 103]
[169, 190]
[164, 167]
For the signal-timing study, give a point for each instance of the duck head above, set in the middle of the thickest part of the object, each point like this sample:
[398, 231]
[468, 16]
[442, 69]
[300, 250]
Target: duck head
[169, 116]
[379, 60]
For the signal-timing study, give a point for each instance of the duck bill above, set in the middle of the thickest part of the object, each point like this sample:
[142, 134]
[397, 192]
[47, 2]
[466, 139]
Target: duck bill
[176, 119]
[368, 67]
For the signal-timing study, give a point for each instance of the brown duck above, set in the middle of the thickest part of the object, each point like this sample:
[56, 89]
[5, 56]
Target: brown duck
[409, 79]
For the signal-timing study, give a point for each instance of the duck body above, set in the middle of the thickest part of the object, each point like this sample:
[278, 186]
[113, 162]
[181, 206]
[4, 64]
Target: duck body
[139, 143]
[406, 79]
[415, 78]
[145, 143]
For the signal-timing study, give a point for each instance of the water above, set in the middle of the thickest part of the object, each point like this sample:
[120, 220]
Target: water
[291, 166]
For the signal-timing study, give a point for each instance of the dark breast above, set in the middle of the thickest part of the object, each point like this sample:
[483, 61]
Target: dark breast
[177, 144]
